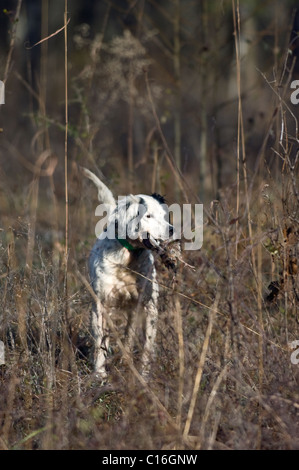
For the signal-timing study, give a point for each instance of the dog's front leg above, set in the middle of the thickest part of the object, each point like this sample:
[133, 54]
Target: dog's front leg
[101, 340]
[148, 355]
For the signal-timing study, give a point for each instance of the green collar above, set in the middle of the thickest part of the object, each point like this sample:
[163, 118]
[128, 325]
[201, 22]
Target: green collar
[127, 245]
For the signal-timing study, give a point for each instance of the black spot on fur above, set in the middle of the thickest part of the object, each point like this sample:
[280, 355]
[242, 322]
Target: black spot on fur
[143, 203]
[159, 198]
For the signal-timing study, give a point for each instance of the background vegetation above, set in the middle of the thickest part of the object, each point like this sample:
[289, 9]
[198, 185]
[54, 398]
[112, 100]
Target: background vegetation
[190, 99]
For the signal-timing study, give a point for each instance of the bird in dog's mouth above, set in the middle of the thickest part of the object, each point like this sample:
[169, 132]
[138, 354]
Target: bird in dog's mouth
[149, 242]
[169, 250]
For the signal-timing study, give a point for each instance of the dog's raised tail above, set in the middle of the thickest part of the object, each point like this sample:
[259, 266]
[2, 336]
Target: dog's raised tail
[105, 196]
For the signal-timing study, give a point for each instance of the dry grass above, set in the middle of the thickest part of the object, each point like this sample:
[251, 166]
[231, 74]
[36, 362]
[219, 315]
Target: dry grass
[205, 391]
[223, 378]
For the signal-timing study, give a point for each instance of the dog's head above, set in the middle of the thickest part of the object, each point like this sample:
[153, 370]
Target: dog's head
[143, 220]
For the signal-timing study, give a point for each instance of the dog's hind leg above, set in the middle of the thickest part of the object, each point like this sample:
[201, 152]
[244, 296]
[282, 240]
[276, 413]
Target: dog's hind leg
[131, 330]
[101, 340]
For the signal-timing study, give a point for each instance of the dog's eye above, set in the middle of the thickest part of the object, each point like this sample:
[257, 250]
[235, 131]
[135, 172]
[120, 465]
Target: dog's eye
[148, 216]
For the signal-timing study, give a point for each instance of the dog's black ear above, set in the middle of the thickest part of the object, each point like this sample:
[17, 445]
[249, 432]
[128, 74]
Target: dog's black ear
[159, 198]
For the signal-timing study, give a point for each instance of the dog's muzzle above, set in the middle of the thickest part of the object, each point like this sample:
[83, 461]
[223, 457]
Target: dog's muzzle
[151, 243]
[148, 242]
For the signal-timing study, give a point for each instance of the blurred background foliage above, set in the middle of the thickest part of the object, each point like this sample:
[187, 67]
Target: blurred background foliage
[186, 50]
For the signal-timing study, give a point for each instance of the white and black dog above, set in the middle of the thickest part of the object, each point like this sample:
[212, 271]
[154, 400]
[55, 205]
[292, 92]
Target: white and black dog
[122, 270]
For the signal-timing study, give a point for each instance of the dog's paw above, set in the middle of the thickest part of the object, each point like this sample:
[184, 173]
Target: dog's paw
[101, 376]
[145, 373]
